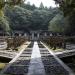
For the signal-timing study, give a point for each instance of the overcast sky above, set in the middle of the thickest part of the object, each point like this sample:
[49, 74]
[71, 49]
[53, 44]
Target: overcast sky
[47, 3]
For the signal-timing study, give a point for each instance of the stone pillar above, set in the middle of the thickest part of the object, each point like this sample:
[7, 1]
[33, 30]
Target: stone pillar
[19, 34]
[25, 34]
[51, 34]
[38, 35]
[32, 36]
[13, 34]
[58, 34]
[45, 34]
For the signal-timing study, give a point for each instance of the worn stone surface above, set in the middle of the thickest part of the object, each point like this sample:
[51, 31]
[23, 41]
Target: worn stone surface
[37, 60]
[36, 66]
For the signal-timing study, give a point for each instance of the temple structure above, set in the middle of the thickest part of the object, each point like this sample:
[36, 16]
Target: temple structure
[35, 35]
[32, 35]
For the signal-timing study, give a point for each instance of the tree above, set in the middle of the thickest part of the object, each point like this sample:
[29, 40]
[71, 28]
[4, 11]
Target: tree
[57, 24]
[40, 19]
[68, 8]
[29, 7]
[19, 18]
[29, 17]
[3, 20]
[41, 6]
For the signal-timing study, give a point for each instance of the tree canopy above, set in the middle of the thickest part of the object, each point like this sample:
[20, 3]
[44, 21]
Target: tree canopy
[68, 9]
[21, 16]
[57, 24]
[26, 18]
[4, 24]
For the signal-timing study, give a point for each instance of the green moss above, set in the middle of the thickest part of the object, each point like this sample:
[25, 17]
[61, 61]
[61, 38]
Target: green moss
[2, 65]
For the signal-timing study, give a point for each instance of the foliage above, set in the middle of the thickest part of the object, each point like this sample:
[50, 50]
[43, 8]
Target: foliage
[19, 18]
[57, 24]
[29, 17]
[15, 42]
[68, 8]
[55, 41]
[4, 24]
[40, 19]
[26, 18]
[41, 6]
[28, 6]
[3, 21]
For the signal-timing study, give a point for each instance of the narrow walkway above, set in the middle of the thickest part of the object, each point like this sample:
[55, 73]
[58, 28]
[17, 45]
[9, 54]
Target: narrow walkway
[36, 66]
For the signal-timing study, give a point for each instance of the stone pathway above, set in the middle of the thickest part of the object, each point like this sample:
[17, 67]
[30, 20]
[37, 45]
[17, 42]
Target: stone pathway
[36, 66]
[37, 59]
[19, 65]
[52, 64]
